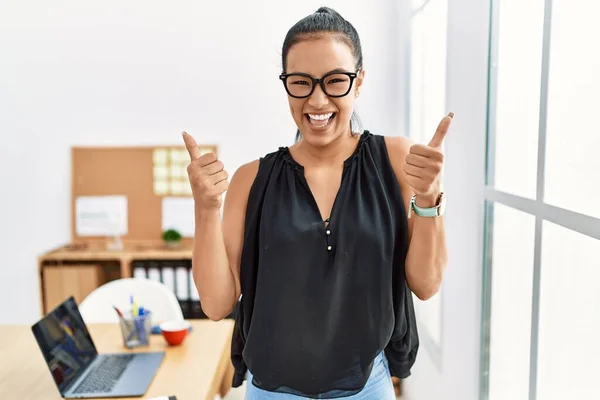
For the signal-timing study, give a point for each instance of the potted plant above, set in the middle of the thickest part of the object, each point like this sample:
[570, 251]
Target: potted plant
[171, 237]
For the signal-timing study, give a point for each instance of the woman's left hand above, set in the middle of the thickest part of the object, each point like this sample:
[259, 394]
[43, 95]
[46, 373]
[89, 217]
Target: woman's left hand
[424, 163]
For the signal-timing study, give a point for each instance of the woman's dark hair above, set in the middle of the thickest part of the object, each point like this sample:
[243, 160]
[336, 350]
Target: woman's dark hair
[325, 21]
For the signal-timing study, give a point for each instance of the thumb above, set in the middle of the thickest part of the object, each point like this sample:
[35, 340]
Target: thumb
[191, 146]
[441, 131]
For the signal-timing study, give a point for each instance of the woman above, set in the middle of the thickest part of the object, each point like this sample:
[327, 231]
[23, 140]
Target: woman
[317, 237]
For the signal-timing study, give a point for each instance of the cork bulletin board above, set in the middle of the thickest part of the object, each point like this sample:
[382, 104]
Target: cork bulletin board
[143, 176]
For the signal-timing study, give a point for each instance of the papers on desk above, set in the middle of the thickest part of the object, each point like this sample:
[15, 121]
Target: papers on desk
[163, 398]
[178, 214]
[101, 215]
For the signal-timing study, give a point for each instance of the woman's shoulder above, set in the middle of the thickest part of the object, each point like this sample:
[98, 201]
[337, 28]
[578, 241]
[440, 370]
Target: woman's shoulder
[243, 179]
[396, 146]
[247, 173]
[393, 150]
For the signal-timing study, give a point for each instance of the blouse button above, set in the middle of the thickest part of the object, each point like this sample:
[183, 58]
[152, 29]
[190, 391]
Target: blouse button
[329, 248]
[328, 232]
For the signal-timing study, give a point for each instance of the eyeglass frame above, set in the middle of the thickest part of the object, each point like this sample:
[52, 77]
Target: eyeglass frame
[320, 82]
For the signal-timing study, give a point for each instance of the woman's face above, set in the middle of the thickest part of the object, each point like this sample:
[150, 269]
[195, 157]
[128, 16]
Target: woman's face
[318, 57]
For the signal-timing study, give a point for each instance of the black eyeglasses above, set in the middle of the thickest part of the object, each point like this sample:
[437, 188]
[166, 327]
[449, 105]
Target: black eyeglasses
[333, 84]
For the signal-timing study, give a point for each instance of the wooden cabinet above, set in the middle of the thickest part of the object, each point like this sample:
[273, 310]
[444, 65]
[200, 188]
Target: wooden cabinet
[77, 269]
[63, 281]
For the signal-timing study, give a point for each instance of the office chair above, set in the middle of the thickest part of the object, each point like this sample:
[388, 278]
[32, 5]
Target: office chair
[154, 296]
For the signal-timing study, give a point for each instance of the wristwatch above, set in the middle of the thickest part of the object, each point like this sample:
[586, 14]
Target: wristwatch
[436, 211]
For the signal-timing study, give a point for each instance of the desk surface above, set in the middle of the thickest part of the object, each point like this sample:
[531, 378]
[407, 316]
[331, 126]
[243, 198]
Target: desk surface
[193, 370]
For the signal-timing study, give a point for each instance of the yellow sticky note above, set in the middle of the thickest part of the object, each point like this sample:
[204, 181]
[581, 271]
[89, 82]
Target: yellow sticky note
[160, 172]
[178, 172]
[176, 187]
[174, 156]
[160, 156]
[204, 150]
[184, 157]
[161, 187]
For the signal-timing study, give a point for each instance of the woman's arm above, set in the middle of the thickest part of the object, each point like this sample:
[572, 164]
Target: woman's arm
[218, 247]
[427, 255]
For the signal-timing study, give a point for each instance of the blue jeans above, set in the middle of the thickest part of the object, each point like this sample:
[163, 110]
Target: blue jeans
[379, 386]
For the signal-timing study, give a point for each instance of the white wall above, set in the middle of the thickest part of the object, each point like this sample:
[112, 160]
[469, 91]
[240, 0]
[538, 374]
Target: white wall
[139, 72]
[457, 376]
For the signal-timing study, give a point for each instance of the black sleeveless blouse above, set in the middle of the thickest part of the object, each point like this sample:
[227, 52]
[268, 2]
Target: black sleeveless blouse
[320, 302]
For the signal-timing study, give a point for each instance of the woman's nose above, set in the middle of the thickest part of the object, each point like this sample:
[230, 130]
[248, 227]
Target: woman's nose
[318, 98]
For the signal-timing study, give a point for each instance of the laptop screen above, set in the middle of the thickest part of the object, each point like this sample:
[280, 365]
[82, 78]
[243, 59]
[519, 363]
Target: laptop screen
[65, 342]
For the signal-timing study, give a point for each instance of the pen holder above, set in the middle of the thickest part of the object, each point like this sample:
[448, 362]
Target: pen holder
[136, 330]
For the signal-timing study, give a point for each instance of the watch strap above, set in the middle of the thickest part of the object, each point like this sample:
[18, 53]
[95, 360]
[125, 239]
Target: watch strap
[422, 211]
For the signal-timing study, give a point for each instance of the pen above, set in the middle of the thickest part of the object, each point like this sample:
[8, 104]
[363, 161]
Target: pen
[119, 313]
[134, 307]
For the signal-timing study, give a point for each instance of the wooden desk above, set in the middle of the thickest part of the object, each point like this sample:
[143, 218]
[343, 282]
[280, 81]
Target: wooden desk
[200, 368]
[97, 251]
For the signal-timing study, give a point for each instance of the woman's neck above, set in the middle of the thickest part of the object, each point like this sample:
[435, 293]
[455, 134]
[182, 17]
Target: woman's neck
[334, 153]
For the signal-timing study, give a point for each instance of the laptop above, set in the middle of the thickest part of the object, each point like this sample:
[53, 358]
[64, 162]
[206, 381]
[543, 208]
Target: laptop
[77, 368]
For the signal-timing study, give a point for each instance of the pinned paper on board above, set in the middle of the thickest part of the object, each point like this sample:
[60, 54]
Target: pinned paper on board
[178, 214]
[101, 215]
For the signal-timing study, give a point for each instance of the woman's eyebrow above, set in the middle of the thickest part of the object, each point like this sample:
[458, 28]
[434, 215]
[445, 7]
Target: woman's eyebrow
[344, 70]
[337, 70]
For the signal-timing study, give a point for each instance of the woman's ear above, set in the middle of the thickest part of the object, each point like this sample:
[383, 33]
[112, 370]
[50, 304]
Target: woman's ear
[359, 82]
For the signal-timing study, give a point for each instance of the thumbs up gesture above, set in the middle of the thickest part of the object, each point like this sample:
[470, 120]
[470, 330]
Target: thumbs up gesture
[424, 163]
[207, 176]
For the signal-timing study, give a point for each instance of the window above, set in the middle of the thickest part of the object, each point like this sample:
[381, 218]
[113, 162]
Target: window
[516, 119]
[427, 106]
[542, 266]
[573, 133]
[569, 317]
[511, 302]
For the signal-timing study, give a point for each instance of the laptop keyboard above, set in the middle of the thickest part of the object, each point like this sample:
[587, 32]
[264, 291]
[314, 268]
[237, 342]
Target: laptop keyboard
[104, 376]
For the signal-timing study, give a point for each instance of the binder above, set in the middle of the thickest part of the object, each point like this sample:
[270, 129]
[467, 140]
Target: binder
[168, 276]
[194, 291]
[139, 272]
[182, 281]
[154, 274]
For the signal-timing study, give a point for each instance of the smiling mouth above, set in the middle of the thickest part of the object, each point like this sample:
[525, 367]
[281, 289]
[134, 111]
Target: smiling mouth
[320, 120]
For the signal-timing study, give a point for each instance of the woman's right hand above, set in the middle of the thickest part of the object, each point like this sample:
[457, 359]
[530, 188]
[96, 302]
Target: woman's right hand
[207, 177]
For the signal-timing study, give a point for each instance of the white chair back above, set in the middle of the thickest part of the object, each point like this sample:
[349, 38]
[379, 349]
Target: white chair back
[156, 297]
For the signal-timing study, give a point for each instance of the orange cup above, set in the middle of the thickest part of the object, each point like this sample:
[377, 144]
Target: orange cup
[174, 332]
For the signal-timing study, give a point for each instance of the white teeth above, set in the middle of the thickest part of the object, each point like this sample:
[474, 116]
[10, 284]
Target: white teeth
[320, 117]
